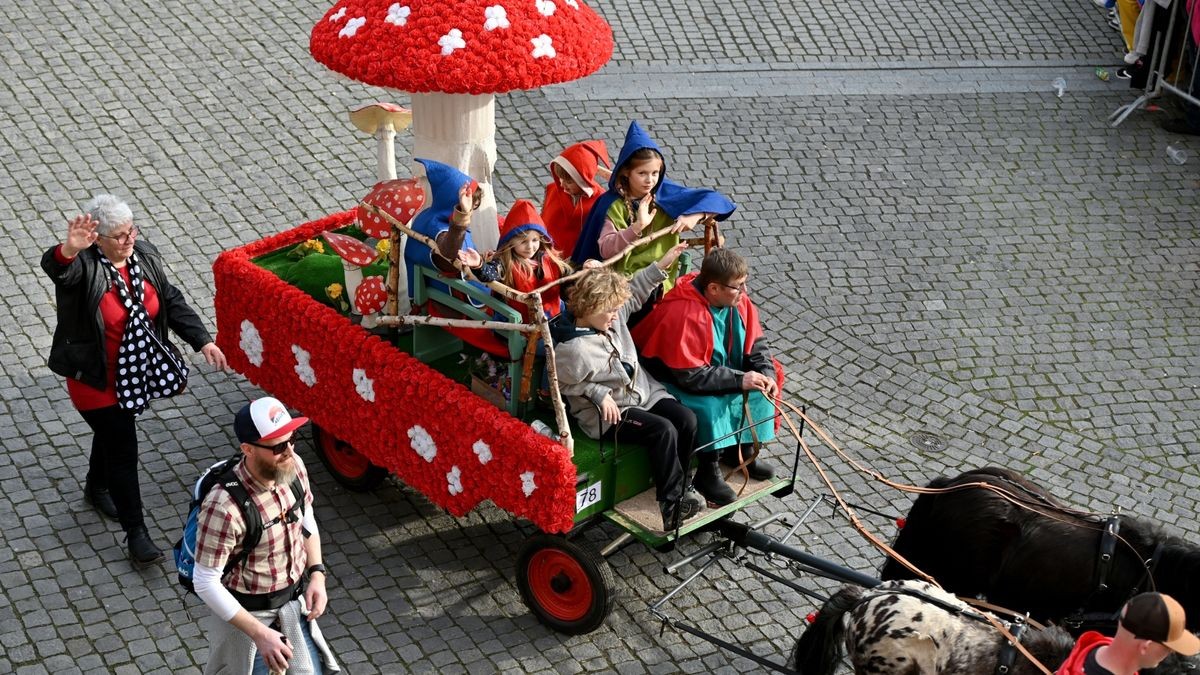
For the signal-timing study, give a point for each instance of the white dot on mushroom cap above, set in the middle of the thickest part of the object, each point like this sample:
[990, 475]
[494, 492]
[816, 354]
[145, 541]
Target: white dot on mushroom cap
[451, 41]
[352, 26]
[337, 16]
[398, 14]
[545, 7]
[543, 46]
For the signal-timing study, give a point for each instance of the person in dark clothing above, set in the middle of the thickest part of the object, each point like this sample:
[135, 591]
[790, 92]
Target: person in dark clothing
[115, 305]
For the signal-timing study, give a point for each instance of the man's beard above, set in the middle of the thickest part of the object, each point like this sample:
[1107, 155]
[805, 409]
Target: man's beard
[270, 470]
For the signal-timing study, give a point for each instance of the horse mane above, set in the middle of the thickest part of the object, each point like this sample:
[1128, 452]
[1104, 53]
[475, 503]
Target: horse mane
[1050, 646]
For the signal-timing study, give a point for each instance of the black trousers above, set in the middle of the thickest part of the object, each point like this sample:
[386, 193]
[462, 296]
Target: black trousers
[668, 432]
[114, 461]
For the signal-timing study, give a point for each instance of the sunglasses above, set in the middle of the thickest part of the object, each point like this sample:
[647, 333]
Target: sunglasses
[277, 449]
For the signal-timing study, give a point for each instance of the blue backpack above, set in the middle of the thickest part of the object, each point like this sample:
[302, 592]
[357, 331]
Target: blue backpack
[222, 474]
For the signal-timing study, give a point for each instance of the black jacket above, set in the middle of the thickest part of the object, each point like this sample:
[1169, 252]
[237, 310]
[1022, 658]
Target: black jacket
[78, 350]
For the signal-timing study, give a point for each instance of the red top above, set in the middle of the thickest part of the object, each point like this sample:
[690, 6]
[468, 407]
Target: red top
[1076, 660]
[86, 397]
[525, 279]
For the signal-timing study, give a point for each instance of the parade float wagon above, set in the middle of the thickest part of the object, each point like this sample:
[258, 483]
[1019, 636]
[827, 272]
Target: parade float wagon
[415, 404]
[441, 385]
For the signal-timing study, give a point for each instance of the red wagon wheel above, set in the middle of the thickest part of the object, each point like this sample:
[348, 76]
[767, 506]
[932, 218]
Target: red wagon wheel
[566, 584]
[349, 468]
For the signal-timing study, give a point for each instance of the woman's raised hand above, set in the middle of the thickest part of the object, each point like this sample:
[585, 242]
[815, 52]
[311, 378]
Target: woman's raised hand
[81, 233]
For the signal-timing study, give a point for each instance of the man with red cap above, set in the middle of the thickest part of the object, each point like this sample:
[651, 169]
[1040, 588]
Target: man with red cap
[267, 601]
[1152, 625]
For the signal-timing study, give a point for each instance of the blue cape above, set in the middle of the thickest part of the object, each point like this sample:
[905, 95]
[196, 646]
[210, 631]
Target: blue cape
[673, 198]
[445, 182]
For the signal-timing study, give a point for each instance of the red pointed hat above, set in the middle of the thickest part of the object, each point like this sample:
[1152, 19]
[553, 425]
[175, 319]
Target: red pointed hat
[580, 162]
[522, 218]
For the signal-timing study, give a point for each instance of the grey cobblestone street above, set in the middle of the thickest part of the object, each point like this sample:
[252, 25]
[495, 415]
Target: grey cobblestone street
[939, 244]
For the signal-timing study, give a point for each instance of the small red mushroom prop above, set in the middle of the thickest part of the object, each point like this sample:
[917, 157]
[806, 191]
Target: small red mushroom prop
[369, 299]
[401, 199]
[355, 256]
[453, 56]
[383, 120]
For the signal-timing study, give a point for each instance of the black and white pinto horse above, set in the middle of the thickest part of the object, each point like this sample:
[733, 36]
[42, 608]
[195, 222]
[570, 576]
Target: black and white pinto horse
[1040, 557]
[915, 628]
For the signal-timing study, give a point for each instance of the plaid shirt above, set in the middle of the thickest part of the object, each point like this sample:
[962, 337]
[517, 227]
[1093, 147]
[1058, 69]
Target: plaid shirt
[279, 559]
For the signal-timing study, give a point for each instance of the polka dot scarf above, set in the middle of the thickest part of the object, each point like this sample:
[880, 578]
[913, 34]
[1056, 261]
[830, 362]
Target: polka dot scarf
[146, 368]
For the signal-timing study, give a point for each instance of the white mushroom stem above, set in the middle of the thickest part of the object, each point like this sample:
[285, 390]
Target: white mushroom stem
[460, 130]
[353, 279]
[386, 146]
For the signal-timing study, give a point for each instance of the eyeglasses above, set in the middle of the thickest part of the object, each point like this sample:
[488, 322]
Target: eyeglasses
[122, 238]
[277, 449]
[740, 288]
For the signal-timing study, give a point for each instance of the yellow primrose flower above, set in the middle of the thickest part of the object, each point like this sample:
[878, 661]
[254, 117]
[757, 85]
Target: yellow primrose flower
[384, 247]
[334, 291]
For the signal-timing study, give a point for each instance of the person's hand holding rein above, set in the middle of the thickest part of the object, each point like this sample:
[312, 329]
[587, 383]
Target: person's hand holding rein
[754, 380]
[81, 233]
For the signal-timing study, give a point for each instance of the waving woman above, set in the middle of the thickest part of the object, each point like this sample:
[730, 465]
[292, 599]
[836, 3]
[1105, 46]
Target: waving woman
[115, 304]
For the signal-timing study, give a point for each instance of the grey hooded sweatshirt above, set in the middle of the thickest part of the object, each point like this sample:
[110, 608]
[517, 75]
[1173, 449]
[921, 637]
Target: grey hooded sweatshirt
[593, 364]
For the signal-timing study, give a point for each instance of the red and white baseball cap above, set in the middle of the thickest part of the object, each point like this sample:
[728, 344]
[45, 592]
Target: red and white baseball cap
[265, 419]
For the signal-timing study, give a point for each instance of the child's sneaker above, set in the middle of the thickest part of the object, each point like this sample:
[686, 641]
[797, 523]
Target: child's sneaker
[674, 517]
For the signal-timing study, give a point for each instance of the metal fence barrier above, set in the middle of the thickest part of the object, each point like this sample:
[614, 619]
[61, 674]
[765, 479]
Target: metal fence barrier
[1175, 48]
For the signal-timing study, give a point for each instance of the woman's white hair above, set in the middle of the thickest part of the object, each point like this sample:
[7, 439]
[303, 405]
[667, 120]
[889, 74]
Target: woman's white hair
[109, 212]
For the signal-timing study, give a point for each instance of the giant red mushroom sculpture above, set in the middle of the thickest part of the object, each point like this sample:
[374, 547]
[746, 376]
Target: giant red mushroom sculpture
[453, 56]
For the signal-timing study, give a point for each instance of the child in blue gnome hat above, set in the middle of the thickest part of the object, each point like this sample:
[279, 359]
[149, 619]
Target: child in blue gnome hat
[453, 197]
[641, 201]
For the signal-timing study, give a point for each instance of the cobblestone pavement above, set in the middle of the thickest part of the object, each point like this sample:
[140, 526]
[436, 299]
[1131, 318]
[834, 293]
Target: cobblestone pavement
[940, 243]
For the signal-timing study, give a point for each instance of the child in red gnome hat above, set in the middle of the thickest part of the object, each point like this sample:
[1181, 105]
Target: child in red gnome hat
[527, 258]
[569, 197]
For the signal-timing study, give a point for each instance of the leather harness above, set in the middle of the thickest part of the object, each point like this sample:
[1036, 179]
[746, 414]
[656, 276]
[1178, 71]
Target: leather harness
[1108, 547]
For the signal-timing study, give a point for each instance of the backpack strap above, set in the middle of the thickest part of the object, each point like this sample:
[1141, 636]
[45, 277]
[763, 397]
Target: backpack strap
[250, 515]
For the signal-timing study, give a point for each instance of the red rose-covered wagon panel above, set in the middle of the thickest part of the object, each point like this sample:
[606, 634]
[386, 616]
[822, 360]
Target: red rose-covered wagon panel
[399, 413]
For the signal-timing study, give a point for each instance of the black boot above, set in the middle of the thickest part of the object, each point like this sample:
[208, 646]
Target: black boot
[758, 469]
[99, 498]
[708, 480]
[141, 549]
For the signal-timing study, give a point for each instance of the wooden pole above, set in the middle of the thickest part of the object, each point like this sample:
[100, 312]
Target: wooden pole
[412, 319]
[560, 411]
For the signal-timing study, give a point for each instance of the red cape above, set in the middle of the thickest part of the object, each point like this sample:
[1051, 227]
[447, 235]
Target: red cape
[562, 215]
[1075, 660]
[679, 331]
